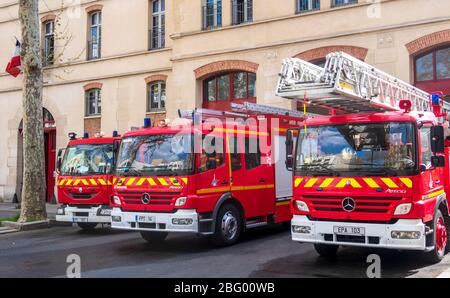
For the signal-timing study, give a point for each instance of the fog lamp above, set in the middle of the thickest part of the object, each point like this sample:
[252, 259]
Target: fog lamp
[116, 218]
[182, 221]
[405, 235]
[301, 229]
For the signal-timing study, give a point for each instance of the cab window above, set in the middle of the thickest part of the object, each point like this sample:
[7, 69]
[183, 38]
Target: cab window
[212, 155]
[235, 154]
[252, 153]
[425, 144]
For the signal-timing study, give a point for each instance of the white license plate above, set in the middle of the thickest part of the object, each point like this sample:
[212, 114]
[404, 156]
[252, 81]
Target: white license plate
[352, 231]
[145, 219]
[80, 219]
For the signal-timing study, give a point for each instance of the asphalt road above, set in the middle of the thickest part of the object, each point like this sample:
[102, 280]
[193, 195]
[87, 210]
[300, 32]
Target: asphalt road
[262, 253]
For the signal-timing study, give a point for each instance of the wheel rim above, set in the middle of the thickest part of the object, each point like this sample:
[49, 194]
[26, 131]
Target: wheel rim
[441, 236]
[229, 225]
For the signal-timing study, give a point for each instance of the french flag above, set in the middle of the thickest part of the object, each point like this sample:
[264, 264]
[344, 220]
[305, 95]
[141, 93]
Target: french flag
[13, 67]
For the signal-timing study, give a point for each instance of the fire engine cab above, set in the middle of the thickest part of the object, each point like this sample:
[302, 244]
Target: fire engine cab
[375, 173]
[85, 180]
[213, 173]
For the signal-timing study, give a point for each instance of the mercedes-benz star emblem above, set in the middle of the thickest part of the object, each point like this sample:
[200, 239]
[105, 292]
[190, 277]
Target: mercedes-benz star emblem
[145, 199]
[348, 204]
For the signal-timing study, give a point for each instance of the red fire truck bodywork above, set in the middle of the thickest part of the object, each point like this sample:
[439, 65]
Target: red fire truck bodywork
[257, 196]
[319, 203]
[85, 199]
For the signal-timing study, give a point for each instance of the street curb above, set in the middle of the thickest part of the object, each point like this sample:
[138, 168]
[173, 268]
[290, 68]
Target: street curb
[54, 223]
[6, 230]
[28, 226]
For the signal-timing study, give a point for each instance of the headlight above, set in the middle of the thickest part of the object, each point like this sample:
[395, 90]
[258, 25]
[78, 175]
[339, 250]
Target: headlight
[302, 206]
[180, 201]
[403, 209]
[116, 200]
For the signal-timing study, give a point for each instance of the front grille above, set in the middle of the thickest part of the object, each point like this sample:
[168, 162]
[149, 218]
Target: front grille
[364, 204]
[156, 198]
[81, 196]
[82, 214]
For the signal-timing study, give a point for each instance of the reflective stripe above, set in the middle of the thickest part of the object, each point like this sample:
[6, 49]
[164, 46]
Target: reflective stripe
[93, 182]
[352, 182]
[407, 182]
[185, 180]
[101, 181]
[61, 182]
[371, 183]
[130, 181]
[298, 181]
[163, 181]
[311, 182]
[389, 182]
[327, 182]
[433, 194]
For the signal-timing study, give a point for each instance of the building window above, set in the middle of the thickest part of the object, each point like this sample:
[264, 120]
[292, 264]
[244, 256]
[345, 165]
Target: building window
[335, 3]
[93, 102]
[242, 11]
[49, 43]
[433, 66]
[156, 96]
[229, 87]
[212, 14]
[158, 25]
[307, 5]
[95, 35]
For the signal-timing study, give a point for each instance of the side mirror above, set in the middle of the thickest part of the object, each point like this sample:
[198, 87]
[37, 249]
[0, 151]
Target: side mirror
[438, 161]
[437, 139]
[289, 150]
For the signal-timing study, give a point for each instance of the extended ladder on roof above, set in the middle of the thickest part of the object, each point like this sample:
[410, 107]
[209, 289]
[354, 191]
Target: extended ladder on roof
[239, 111]
[347, 85]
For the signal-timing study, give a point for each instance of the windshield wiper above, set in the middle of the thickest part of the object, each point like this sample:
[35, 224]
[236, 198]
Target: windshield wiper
[325, 172]
[383, 171]
[130, 172]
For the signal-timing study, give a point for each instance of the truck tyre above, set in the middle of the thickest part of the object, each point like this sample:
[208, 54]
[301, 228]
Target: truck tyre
[228, 226]
[154, 237]
[326, 250]
[440, 236]
[87, 226]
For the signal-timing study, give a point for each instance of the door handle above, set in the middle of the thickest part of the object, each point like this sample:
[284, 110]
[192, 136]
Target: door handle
[438, 182]
[262, 180]
[225, 182]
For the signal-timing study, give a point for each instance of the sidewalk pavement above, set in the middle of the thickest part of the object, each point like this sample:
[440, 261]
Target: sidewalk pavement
[445, 274]
[10, 210]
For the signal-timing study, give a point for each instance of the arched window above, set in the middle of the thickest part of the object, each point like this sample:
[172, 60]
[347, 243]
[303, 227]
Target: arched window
[433, 66]
[432, 70]
[236, 86]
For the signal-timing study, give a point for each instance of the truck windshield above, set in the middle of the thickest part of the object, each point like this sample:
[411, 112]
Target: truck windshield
[363, 149]
[84, 160]
[156, 155]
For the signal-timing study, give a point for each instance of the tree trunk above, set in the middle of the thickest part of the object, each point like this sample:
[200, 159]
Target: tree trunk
[33, 192]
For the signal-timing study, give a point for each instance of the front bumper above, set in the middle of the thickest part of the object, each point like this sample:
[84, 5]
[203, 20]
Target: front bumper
[376, 235]
[157, 222]
[83, 215]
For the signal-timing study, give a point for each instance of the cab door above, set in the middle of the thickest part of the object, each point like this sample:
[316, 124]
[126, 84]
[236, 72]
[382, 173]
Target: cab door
[258, 178]
[213, 171]
[432, 178]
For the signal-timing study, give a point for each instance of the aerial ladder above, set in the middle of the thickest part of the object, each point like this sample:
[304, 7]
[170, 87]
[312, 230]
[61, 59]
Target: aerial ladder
[348, 85]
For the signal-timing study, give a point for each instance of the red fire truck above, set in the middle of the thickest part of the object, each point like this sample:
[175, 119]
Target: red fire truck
[85, 181]
[375, 173]
[216, 174]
